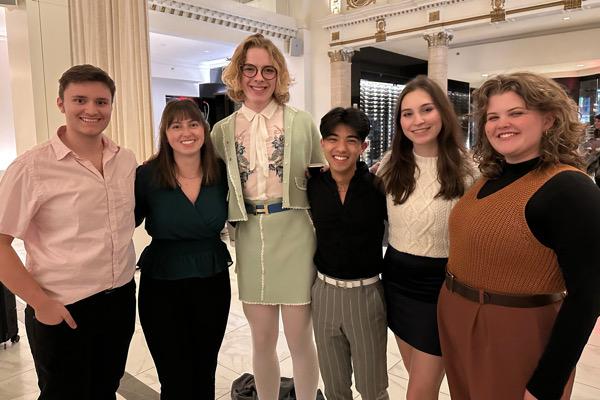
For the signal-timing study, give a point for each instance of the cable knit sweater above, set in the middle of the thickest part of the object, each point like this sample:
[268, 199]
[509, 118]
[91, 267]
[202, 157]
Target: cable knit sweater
[419, 226]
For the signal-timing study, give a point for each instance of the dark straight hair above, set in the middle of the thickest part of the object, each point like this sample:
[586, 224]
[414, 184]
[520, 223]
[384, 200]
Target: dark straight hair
[166, 175]
[352, 117]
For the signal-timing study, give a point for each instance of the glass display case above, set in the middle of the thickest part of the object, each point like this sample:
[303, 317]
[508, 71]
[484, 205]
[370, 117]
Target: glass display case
[378, 100]
[589, 99]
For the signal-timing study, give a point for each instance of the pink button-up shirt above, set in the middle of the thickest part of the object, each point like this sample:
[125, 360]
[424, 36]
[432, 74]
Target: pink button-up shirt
[76, 224]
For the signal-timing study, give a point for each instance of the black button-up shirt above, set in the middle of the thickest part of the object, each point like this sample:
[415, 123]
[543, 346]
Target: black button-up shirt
[349, 234]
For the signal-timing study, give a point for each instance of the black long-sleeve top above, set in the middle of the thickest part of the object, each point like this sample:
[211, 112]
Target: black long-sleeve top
[564, 215]
[186, 240]
[349, 234]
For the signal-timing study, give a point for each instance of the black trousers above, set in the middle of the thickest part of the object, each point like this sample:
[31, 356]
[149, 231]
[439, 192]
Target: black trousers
[184, 323]
[86, 363]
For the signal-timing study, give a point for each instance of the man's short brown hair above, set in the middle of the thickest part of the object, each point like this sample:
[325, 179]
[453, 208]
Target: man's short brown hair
[85, 73]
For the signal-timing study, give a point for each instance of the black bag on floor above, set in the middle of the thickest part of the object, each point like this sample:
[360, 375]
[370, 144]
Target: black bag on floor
[243, 388]
[8, 316]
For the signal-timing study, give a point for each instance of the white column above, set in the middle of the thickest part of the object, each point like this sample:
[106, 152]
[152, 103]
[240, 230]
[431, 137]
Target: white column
[341, 71]
[438, 57]
[38, 53]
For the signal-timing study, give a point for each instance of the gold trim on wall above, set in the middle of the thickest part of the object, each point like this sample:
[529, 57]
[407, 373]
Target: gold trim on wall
[380, 35]
[449, 23]
[572, 4]
[498, 13]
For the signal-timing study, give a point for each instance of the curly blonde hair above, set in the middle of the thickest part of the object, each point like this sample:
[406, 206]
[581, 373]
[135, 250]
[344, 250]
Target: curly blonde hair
[232, 74]
[559, 143]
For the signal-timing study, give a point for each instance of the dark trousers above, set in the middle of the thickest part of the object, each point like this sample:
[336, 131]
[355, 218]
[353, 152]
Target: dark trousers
[184, 323]
[86, 363]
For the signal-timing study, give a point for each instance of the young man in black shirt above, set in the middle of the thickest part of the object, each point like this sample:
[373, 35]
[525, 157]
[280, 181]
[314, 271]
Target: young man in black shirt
[348, 209]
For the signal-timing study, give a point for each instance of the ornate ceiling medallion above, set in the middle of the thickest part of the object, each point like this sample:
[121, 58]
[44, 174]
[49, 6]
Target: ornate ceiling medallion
[359, 3]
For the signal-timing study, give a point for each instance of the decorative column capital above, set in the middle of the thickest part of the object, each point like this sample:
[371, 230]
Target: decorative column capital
[438, 39]
[344, 54]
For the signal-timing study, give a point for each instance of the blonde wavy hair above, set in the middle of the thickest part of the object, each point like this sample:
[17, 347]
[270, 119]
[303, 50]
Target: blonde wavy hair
[559, 143]
[232, 74]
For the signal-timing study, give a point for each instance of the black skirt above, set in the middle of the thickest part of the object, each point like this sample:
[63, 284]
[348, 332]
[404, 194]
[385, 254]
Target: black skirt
[412, 285]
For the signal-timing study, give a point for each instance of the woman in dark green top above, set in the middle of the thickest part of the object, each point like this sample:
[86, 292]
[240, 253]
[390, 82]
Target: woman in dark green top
[184, 296]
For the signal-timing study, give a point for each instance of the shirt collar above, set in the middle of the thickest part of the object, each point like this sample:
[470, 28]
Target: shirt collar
[361, 170]
[267, 112]
[61, 150]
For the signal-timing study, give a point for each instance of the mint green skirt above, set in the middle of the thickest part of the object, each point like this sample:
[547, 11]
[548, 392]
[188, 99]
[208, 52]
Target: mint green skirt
[274, 258]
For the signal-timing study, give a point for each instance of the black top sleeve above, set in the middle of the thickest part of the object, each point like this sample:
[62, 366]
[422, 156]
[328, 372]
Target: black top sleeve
[141, 205]
[564, 215]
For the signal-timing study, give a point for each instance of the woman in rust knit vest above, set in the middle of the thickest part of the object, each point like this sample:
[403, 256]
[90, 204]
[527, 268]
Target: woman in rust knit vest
[522, 289]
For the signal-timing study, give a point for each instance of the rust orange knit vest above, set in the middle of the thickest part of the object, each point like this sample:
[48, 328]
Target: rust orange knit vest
[491, 246]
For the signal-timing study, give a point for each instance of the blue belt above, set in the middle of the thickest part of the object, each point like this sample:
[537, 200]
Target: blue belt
[265, 209]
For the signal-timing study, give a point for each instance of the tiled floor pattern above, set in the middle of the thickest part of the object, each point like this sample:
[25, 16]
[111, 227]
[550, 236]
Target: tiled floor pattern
[18, 379]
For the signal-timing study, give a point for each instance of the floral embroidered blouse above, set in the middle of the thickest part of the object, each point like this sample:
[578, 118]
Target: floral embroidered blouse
[259, 144]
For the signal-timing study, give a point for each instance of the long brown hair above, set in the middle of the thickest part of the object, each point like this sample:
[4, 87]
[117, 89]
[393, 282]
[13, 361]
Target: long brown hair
[232, 74]
[559, 143]
[166, 168]
[452, 168]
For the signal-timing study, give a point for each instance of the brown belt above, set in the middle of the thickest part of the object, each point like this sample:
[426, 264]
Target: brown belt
[508, 300]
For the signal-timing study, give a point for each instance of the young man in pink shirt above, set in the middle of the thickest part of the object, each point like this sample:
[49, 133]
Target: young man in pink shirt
[71, 201]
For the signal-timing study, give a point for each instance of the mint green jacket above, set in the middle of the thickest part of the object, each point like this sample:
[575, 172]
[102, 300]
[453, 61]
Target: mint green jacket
[302, 147]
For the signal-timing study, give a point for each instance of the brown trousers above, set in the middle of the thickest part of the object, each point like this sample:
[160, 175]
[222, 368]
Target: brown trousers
[490, 352]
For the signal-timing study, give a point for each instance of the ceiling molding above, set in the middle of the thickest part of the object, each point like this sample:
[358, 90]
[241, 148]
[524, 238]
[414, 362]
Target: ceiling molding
[545, 32]
[205, 13]
[338, 21]
[531, 11]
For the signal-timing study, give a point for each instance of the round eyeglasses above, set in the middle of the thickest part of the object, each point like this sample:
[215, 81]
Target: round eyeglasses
[268, 72]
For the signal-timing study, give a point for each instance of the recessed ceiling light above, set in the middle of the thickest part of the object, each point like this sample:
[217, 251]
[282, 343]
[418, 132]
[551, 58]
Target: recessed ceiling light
[566, 18]
[485, 75]
[205, 51]
[581, 65]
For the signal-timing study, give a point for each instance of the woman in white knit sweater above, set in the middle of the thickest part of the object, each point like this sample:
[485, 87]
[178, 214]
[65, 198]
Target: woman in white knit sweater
[424, 175]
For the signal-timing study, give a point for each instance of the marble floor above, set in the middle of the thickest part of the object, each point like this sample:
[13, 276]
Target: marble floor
[18, 379]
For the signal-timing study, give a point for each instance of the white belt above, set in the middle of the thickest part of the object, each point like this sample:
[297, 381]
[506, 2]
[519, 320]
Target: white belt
[348, 284]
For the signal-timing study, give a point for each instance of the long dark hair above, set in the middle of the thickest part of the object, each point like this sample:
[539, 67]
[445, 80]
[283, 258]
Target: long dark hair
[452, 168]
[166, 169]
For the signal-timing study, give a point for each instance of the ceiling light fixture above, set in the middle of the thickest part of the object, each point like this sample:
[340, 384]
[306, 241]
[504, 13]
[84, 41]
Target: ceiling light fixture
[485, 75]
[566, 18]
[581, 65]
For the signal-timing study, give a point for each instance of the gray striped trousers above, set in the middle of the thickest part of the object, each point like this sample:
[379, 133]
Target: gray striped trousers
[351, 333]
